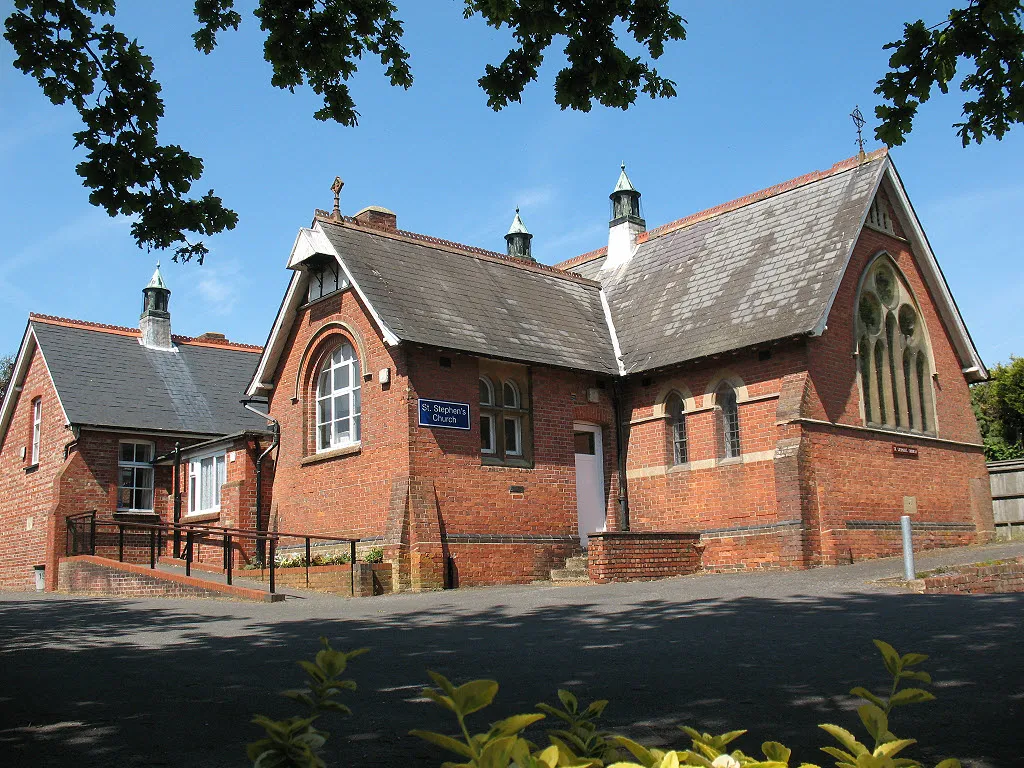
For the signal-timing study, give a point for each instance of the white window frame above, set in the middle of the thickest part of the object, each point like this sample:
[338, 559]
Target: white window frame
[354, 392]
[325, 279]
[135, 465]
[195, 482]
[37, 428]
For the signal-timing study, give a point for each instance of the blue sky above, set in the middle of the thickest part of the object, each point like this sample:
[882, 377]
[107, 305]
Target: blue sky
[765, 91]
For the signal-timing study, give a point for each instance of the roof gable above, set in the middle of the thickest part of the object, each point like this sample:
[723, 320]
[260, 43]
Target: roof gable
[430, 291]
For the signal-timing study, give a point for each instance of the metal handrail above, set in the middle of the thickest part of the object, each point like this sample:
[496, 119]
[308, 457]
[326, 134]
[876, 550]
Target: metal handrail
[227, 534]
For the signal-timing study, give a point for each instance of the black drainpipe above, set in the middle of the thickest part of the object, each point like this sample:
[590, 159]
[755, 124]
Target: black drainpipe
[275, 427]
[621, 428]
[177, 498]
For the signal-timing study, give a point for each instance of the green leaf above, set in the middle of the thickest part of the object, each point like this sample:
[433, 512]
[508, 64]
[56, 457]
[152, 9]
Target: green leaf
[864, 693]
[845, 738]
[496, 753]
[893, 748]
[874, 720]
[727, 738]
[913, 659]
[641, 753]
[474, 695]
[839, 754]
[439, 698]
[569, 701]
[554, 712]
[910, 696]
[949, 762]
[513, 725]
[773, 750]
[889, 655]
[441, 682]
[445, 742]
[924, 677]
[595, 709]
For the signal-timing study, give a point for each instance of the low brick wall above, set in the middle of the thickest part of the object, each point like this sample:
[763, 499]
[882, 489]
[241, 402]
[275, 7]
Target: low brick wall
[371, 578]
[974, 579]
[91, 575]
[638, 556]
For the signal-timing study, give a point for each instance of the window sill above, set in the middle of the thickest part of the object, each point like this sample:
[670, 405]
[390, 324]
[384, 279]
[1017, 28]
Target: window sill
[345, 450]
[31, 468]
[676, 468]
[494, 461]
[201, 517]
[730, 461]
[135, 513]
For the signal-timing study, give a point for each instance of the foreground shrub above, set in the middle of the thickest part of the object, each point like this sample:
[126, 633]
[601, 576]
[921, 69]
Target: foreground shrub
[576, 741]
[298, 560]
[374, 555]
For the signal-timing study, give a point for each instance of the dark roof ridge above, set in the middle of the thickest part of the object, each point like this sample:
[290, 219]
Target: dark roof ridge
[458, 248]
[740, 202]
[122, 330]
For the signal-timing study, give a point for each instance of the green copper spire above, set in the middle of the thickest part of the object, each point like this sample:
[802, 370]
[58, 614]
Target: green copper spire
[518, 239]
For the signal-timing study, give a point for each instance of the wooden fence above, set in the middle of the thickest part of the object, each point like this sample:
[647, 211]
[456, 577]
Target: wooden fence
[1007, 480]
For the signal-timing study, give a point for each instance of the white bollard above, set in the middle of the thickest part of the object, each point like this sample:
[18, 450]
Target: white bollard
[908, 549]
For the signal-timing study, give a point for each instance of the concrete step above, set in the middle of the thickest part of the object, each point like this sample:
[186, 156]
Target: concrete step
[570, 576]
[576, 563]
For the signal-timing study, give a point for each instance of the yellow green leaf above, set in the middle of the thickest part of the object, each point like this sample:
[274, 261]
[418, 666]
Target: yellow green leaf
[445, 742]
[474, 695]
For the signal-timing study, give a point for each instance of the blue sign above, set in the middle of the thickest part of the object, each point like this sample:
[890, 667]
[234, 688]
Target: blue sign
[441, 413]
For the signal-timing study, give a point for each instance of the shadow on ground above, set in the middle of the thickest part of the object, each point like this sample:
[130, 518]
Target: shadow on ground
[105, 682]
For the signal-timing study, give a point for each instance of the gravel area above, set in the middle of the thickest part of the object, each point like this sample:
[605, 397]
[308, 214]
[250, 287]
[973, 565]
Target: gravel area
[102, 682]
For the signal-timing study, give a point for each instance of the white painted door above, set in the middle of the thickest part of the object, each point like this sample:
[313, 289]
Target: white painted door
[589, 479]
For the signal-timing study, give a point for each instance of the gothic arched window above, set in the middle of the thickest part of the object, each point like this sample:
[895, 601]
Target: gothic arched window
[338, 402]
[893, 352]
[677, 427]
[725, 396]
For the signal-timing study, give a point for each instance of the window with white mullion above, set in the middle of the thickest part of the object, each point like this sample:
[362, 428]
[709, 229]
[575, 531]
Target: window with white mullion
[135, 477]
[339, 401]
[206, 475]
[37, 428]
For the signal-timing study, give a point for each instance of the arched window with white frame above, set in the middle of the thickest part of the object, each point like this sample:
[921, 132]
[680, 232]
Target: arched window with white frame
[338, 399]
[893, 352]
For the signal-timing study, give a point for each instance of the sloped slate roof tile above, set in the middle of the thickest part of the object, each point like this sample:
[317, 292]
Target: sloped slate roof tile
[110, 379]
[463, 301]
[761, 272]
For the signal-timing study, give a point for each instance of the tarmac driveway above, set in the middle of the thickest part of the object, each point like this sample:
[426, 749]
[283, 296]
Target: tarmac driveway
[86, 682]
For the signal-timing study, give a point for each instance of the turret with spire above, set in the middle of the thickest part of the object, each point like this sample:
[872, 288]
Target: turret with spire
[518, 239]
[155, 321]
[626, 222]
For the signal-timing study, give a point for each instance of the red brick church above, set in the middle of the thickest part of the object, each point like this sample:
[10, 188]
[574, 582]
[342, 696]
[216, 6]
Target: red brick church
[772, 382]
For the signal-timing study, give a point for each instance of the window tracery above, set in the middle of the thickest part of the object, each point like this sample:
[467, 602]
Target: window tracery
[893, 352]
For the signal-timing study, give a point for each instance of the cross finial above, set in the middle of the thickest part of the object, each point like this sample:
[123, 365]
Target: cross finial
[517, 209]
[336, 189]
[158, 265]
[858, 120]
[623, 166]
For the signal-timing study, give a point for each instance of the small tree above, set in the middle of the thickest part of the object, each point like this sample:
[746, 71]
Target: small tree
[999, 407]
[6, 372]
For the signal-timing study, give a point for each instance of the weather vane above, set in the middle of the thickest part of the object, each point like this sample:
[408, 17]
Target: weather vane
[858, 120]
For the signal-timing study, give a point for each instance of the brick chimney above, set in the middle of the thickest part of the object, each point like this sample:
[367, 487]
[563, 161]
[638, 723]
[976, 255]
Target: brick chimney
[212, 336]
[376, 217]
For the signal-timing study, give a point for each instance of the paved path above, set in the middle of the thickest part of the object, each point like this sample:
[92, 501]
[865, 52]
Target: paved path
[87, 682]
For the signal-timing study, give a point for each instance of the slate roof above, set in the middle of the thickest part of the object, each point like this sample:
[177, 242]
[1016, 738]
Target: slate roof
[761, 269]
[105, 377]
[475, 301]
